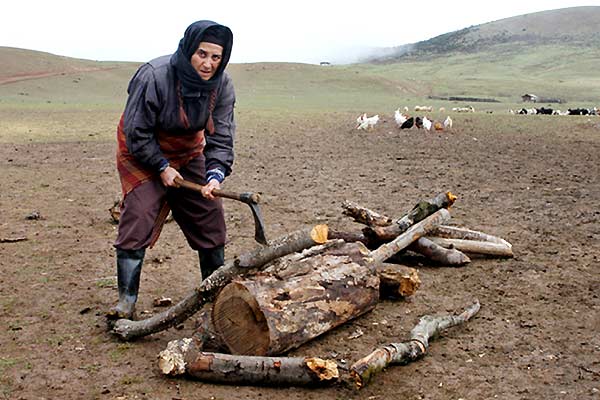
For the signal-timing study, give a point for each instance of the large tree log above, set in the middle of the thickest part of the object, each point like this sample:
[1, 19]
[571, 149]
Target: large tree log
[296, 241]
[428, 327]
[185, 356]
[475, 247]
[271, 314]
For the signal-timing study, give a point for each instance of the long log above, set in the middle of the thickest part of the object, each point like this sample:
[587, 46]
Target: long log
[271, 314]
[364, 215]
[296, 241]
[475, 247]
[419, 212]
[454, 232]
[439, 254]
[185, 357]
[409, 236]
[363, 370]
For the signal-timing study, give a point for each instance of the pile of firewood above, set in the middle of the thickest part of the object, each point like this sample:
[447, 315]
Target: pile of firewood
[276, 298]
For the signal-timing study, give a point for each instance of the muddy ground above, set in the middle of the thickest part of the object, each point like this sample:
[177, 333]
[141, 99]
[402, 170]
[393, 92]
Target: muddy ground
[533, 181]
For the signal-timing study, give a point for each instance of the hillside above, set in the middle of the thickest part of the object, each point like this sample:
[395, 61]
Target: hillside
[570, 27]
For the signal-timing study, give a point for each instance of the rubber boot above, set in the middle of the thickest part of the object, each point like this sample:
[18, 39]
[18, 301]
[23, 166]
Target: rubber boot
[211, 259]
[129, 269]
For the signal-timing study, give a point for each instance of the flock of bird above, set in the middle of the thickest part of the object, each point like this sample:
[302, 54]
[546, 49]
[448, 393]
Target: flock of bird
[405, 121]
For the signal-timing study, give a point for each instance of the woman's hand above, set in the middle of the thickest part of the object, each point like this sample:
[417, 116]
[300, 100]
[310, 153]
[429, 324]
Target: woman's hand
[168, 177]
[208, 188]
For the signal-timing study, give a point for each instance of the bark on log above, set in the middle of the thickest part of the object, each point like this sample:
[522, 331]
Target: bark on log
[184, 356]
[271, 314]
[428, 327]
[364, 215]
[297, 241]
[475, 247]
[410, 235]
[420, 211]
[437, 253]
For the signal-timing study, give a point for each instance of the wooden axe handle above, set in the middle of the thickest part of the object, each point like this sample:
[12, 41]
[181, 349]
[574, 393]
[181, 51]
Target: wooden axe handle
[243, 197]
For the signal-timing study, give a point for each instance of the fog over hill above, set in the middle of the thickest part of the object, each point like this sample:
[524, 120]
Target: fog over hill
[576, 26]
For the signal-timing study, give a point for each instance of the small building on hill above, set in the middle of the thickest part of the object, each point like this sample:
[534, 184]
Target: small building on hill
[528, 97]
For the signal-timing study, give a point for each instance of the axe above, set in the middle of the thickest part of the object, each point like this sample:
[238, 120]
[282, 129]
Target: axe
[252, 199]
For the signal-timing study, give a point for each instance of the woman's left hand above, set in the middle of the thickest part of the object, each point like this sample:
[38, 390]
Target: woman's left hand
[209, 187]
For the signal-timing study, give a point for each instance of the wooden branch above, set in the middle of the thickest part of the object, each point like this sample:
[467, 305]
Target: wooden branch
[364, 215]
[437, 253]
[13, 239]
[418, 213]
[475, 247]
[413, 233]
[184, 357]
[287, 244]
[129, 330]
[453, 232]
[428, 327]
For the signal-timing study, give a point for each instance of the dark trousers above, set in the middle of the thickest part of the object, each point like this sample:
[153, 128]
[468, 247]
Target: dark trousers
[202, 221]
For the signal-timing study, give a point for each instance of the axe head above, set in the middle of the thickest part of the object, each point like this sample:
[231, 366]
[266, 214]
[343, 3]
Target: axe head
[259, 227]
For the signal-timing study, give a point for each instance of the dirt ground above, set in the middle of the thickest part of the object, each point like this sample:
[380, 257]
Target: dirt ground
[533, 181]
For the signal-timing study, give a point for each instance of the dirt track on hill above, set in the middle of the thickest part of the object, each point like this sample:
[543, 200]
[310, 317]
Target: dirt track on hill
[533, 182]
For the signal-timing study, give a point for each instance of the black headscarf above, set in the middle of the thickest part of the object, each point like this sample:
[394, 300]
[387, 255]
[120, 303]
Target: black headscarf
[191, 83]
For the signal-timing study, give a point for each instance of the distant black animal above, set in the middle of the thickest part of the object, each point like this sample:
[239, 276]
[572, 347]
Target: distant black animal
[419, 122]
[408, 123]
[546, 111]
[578, 111]
[523, 111]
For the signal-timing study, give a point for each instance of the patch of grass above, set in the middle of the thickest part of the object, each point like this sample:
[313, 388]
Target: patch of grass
[106, 282]
[131, 380]
[120, 351]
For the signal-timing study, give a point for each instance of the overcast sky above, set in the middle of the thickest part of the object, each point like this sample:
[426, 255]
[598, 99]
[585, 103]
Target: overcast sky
[306, 31]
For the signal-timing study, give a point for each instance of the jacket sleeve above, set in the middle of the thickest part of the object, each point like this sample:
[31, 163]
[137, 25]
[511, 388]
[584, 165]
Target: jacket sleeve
[141, 115]
[219, 146]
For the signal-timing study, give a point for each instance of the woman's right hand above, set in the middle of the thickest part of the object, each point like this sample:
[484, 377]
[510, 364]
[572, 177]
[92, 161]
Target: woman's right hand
[168, 177]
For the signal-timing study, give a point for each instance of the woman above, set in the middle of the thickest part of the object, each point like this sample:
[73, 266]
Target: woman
[178, 123]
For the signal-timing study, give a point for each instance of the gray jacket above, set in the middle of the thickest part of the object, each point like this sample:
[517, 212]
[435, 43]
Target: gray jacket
[153, 105]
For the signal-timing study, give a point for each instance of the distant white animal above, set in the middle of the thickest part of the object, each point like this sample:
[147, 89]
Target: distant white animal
[463, 109]
[423, 108]
[448, 122]
[426, 123]
[366, 123]
[399, 117]
[405, 109]
[442, 109]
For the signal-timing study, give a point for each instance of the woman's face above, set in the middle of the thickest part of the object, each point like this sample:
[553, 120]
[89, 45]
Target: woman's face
[206, 59]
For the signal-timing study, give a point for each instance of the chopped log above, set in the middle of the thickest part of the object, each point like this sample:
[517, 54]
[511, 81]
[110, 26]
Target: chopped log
[397, 280]
[420, 211]
[364, 215]
[271, 314]
[437, 253]
[428, 327]
[129, 330]
[410, 235]
[475, 247]
[453, 232]
[184, 356]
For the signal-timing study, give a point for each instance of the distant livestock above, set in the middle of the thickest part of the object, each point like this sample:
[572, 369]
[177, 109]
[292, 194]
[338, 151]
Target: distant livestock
[366, 123]
[423, 108]
[448, 122]
[463, 109]
[399, 117]
[427, 123]
[408, 123]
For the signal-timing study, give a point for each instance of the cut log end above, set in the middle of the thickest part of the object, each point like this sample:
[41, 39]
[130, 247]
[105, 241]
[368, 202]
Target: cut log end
[319, 234]
[237, 316]
[171, 361]
[325, 370]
